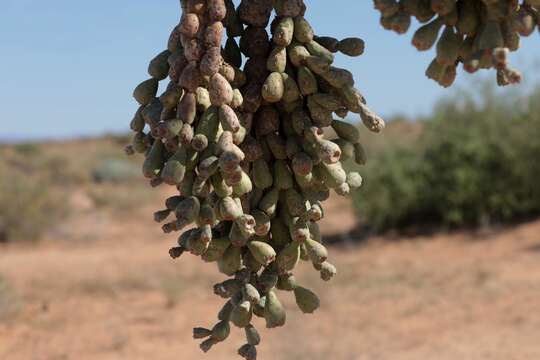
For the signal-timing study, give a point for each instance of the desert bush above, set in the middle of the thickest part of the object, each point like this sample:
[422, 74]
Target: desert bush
[28, 203]
[115, 171]
[475, 162]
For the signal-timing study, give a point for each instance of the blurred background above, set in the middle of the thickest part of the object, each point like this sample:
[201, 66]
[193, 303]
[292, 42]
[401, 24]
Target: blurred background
[438, 254]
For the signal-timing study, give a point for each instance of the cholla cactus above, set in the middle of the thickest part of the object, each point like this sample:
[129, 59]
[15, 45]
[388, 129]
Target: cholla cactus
[476, 33]
[246, 148]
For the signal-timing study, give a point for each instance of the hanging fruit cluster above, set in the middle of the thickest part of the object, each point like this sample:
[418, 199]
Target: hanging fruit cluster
[476, 33]
[240, 132]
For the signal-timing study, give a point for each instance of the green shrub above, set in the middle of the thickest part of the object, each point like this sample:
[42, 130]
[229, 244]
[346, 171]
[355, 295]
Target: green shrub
[475, 162]
[116, 171]
[28, 203]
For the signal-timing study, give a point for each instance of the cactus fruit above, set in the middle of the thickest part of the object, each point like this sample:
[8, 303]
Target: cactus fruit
[476, 33]
[244, 145]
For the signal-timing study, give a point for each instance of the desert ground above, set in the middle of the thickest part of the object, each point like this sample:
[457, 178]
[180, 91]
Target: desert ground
[101, 286]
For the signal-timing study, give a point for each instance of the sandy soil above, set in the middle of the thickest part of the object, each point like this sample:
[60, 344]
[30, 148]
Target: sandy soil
[100, 288]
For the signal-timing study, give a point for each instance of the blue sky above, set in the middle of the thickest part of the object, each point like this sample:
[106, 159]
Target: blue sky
[67, 68]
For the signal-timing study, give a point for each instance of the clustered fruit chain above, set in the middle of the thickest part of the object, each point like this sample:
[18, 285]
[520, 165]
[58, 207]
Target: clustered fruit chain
[239, 132]
[477, 33]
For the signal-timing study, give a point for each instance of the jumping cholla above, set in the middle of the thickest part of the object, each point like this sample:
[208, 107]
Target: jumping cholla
[243, 142]
[477, 33]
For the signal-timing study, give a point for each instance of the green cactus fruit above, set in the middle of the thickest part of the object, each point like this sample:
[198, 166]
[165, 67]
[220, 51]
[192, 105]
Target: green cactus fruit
[273, 88]
[343, 189]
[315, 231]
[351, 46]
[298, 54]
[448, 47]
[241, 314]
[203, 99]
[328, 271]
[188, 209]
[174, 169]
[328, 101]
[286, 282]
[154, 160]
[207, 344]
[283, 178]
[262, 222]
[306, 300]
[467, 23]
[208, 124]
[262, 252]
[262, 176]
[371, 120]
[269, 202]
[161, 215]
[159, 66]
[299, 229]
[302, 164]
[214, 31]
[352, 97]
[228, 288]
[354, 180]
[201, 333]
[287, 258]
[267, 281]
[176, 252]
[328, 151]
[252, 335]
[251, 294]
[317, 49]
[296, 204]
[221, 331]
[216, 249]
[277, 146]
[146, 91]
[318, 65]
[283, 32]
[244, 186]
[307, 83]
[231, 261]
[435, 70]
[274, 313]
[303, 32]
[197, 245]
[228, 119]
[339, 78]
[248, 352]
[333, 175]
[330, 43]
[139, 142]
[229, 209]
[225, 312]
[291, 92]
[258, 309]
[315, 212]
[220, 187]
[280, 233]
[220, 90]
[237, 237]
[316, 251]
[346, 131]
[277, 60]
[490, 37]
[425, 37]
[137, 123]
